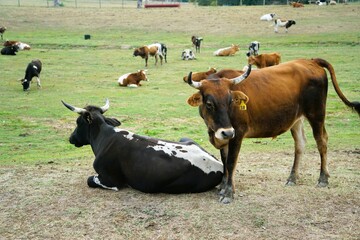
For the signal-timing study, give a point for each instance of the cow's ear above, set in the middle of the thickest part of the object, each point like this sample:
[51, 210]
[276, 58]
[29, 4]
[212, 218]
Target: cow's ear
[195, 100]
[238, 97]
[87, 116]
[113, 122]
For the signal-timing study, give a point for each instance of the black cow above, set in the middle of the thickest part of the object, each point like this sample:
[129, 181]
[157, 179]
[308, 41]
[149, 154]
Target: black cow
[9, 50]
[196, 42]
[150, 165]
[254, 48]
[33, 70]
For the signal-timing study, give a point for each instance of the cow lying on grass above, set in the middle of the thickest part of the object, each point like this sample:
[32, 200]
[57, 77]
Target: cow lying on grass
[188, 54]
[132, 79]
[229, 51]
[265, 60]
[198, 76]
[10, 50]
[150, 165]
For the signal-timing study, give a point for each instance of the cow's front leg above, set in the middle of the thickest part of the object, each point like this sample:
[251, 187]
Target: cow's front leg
[223, 154]
[228, 189]
[100, 182]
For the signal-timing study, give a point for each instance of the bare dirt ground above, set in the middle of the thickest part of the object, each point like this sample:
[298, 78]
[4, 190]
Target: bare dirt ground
[52, 201]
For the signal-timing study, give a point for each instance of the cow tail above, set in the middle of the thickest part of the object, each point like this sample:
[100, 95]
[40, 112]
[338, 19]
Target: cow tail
[353, 105]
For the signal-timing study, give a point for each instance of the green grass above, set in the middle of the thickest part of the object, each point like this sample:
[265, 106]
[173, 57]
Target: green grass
[34, 125]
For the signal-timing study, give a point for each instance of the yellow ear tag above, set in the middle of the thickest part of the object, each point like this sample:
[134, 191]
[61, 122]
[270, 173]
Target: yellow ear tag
[243, 105]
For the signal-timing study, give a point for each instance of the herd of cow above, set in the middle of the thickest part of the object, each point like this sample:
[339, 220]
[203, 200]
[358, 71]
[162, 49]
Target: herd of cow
[234, 104]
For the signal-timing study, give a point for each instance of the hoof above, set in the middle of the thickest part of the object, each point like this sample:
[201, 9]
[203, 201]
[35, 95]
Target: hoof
[290, 183]
[225, 200]
[91, 183]
[322, 184]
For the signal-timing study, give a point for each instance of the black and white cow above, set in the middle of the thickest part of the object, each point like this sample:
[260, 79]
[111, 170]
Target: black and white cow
[253, 49]
[33, 69]
[9, 50]
[150, 165]
[187, 54]
[283, 23]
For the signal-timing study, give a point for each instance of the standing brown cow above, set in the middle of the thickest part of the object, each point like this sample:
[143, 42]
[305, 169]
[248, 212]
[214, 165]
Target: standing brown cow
[264, 104]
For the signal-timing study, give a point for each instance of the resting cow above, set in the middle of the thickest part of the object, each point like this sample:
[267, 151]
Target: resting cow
[150, 165]
[265, 60]
[267, 17]
[254, 48]
[197, 76]
[188, 54]
[229, 51]
[155, 50]
[9, 50]
[265, 104]
[132, 79]
[33, 69]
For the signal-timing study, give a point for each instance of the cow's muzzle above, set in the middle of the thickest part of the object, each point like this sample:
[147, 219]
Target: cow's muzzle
[225, 133]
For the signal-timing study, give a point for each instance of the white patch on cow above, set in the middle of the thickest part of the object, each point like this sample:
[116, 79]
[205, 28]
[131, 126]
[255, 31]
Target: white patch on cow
[35, 67]
[121, 78]
[129, 135]
[192, 153]
[219, 134]
[97, 181]
[132, 85]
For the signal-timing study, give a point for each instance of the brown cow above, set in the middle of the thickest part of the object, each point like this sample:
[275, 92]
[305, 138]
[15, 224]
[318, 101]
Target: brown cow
[265, 60]
[2, 30]
[154, 50]
[297, 4]
[229, 51]
[197, 76]
[132, 79]
[268, 103]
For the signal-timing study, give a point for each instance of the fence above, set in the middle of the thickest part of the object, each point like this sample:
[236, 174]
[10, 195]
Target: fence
[133, 3]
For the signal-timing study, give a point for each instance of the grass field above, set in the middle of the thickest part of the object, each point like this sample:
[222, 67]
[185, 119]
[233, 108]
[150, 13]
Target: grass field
[43, 193]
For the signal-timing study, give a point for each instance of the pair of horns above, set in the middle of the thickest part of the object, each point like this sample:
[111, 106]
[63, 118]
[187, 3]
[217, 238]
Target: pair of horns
[234, 80]
[82, 110]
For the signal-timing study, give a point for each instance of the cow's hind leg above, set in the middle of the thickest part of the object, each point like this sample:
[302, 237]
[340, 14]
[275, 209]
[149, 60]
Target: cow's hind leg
[298, 134]
[321, 139]
[38, 82]
[100, 182]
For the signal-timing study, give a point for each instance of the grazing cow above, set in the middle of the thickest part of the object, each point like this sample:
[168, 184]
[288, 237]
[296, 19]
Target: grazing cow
[132, 79]
[265, 60]
[297, 4]
[196, 41]
[2, 30]
[265, 104]
[155, 50]
[187, 54]
[33, 70]
[267, 17]
[283, 23]
[198, 76]
[253, 49]
[9, 50]
[229, 51]
[150, 165]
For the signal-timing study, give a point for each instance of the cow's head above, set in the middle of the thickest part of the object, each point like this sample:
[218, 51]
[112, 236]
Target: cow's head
[216, 102]
[89, 121]
[139, 52]
[25, 83]
[142, 75]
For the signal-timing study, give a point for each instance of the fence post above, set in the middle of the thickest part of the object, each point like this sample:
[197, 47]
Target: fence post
[18, 3]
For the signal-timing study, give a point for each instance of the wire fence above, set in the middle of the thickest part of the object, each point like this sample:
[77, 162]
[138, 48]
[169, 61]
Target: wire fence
[133, 3]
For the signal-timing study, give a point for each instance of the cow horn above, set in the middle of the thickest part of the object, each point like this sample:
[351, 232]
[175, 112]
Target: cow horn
[74, 109]
[106, 106]
[192, 83]
[242, 76]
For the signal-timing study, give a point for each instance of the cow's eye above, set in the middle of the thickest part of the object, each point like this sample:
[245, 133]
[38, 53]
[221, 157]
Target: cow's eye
[209, 106]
